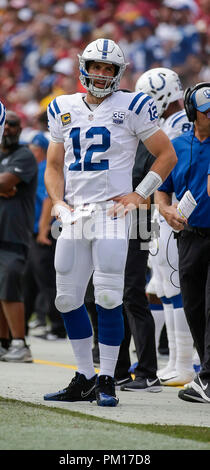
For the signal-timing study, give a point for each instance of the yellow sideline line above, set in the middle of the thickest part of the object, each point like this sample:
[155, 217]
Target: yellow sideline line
[56, 364]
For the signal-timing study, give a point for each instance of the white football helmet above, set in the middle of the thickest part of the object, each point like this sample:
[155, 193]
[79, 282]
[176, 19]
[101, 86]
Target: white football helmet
[163, 85]
[102, 50]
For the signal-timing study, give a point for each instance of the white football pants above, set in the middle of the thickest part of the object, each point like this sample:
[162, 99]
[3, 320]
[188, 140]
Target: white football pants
[94, 243]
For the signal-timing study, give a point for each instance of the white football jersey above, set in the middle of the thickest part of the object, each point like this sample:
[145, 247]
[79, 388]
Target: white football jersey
[165, 279]
[2, 119]
[100, 145]
[176, 124]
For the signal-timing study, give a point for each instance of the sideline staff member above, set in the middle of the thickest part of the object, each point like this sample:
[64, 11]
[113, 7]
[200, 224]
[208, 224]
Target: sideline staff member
[18, 179]
[193, 150]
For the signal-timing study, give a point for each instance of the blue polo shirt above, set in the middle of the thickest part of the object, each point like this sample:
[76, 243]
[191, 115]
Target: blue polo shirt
[190, 173]
[41, 194]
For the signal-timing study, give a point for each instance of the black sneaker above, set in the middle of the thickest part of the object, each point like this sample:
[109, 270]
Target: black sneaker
[142, 384]
[105, 391]
[198, 391]
[79, 389]
[119, 382]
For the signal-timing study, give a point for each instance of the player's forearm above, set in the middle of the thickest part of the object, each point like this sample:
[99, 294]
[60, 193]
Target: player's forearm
[54, 181]
[54, 177]
[165, 162]
[161, 147]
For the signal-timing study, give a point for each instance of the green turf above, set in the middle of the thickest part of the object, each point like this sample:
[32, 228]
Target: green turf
[25, 426]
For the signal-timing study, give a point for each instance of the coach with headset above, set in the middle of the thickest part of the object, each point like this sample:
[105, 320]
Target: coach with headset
[190, 174]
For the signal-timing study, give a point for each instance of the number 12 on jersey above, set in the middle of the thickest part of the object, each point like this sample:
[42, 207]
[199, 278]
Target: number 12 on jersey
[76, 142]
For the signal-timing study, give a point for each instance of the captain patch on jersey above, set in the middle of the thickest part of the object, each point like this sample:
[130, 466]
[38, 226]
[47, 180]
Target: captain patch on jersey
[66, 119]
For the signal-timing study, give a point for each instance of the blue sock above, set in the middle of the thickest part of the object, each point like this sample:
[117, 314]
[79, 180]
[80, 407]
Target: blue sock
[77, 323]
[110, 325]
[177, 301]
[166, 300]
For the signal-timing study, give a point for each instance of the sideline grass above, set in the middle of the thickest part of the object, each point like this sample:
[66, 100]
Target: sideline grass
[26, 426]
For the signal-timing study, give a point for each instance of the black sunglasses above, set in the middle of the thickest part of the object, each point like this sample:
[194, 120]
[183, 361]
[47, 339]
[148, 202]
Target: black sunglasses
[12, 123]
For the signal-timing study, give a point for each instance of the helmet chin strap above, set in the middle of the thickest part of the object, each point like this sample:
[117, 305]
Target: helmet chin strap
[99, 92]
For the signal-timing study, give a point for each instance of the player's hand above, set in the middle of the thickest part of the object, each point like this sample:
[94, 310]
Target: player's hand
[9, 193]
[42, 238]
[59, 208]
[125, 204]
[173, 218]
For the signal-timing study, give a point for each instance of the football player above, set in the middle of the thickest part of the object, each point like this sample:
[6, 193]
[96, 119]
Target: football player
[94, 136]
[165, 87]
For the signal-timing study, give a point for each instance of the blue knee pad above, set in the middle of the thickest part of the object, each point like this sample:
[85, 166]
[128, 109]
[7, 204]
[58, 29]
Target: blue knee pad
[110, 325]
[77, 323]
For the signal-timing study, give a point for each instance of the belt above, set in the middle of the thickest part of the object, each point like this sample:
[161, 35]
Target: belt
[203, 232]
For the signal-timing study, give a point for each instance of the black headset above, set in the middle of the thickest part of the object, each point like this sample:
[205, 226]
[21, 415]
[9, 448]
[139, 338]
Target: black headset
[189, 108]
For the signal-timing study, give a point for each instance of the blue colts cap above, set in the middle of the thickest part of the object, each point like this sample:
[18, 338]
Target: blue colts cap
[201, 99]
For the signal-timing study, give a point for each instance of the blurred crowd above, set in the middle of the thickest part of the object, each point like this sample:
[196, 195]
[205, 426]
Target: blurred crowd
[40, 41]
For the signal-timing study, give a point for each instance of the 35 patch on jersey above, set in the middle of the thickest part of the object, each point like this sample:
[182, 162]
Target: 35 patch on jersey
[66, 118]
[118, 117]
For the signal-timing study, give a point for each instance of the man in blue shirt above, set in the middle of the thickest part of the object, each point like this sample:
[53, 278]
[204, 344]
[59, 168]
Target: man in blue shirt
[190, 173]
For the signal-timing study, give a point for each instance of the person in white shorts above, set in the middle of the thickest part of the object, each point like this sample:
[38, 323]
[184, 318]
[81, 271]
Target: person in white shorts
[165, 87]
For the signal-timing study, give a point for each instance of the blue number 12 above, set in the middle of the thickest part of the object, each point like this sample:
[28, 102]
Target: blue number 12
[88, 165]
